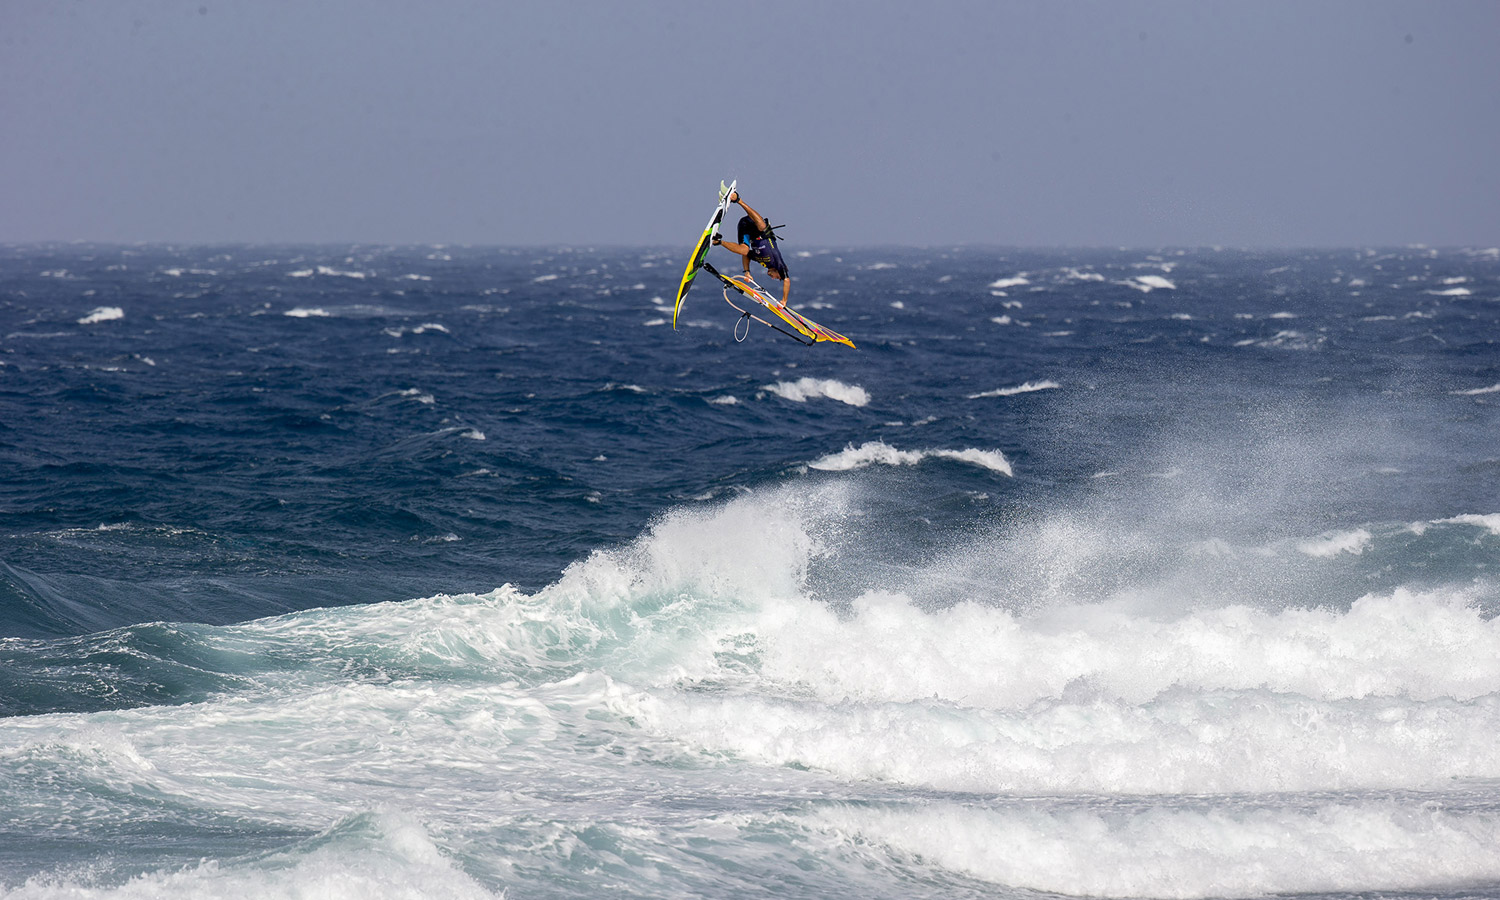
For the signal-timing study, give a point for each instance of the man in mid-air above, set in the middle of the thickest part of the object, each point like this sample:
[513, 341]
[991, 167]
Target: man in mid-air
[757, 243]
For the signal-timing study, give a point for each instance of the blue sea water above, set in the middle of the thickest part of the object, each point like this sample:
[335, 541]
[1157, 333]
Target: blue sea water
[453, 572]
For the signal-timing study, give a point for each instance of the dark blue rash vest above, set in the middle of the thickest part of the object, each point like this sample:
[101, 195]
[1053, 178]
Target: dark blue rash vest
[762, 248]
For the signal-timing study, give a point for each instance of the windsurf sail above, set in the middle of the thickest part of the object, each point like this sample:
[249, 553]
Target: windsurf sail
[806, 330]
[701, 251]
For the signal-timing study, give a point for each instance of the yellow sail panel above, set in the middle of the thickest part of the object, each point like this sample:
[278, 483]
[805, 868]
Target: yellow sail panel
[691, 271]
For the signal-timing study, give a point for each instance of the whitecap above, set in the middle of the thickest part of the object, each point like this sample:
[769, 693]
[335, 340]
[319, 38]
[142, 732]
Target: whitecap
[1491, 522]
[1026, 388]
[1329, 545]
[1285, 340]
[102, 314]
[1079, 275]
[804, 389]
[880, 453]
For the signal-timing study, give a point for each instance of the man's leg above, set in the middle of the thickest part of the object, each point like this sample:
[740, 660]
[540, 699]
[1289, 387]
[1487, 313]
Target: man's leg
[732, 247]
[760, 220]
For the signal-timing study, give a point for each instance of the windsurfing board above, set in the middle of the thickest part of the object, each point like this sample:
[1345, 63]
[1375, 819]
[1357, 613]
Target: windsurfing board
[810, 330]
[704, 243]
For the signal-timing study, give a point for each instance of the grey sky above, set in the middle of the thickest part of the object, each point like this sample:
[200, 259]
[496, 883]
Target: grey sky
[590, 123]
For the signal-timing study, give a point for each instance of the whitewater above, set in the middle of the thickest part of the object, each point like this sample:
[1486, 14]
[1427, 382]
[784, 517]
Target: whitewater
[449, 572]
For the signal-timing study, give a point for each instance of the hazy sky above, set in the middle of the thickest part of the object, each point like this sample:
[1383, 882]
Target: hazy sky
[1258, 123]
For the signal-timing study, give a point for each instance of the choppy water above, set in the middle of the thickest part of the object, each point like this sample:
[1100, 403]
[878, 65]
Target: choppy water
[393, 572]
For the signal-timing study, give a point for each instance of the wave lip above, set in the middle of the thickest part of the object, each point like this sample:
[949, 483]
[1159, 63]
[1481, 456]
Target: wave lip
[881, 453]
[804, 389]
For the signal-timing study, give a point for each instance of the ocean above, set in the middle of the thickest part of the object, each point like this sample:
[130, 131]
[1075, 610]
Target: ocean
[376, 572]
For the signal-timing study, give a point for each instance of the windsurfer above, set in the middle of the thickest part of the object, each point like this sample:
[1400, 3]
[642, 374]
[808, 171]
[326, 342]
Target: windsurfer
[757, 243]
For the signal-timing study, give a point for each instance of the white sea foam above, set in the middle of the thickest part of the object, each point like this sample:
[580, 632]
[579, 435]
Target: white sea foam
[1452, 292]
[1079, 275]
[103, 314]
[1474, 392]
[1107, 701]
[648, 715]
[804, 389]
[1285, 340]
[371, 856]
[1185, 852]
[326, 270]
[1491, 522]
[416, 394]
[1016, 281]
[1026, 388]
[1155, 282]
[307, 312]
[420, 329]
[1329, 545]
[881, 453]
